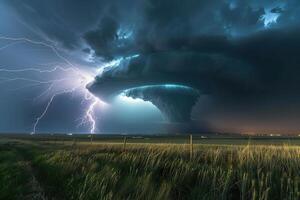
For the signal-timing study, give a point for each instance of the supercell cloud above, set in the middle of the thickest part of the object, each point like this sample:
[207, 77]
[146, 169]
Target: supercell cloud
[174, 101]
[226, 62]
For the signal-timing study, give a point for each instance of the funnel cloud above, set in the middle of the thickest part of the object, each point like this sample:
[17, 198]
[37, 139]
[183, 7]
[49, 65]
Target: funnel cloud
[174, 101]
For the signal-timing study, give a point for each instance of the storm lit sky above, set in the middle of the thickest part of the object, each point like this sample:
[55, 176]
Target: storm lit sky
[149, 66]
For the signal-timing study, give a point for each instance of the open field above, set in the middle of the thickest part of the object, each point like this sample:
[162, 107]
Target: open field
[74, 167]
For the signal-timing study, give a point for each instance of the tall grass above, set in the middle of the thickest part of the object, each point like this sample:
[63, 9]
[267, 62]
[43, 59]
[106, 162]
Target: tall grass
[166, 172]
[14, 175]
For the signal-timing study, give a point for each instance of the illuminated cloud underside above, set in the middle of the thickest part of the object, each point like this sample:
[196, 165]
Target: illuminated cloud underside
[174, 101]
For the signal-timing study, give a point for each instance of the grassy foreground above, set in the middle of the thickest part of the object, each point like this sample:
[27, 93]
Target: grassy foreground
[39, 170]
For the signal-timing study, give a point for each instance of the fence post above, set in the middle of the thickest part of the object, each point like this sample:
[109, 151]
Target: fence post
[92, 138]
[124, 143]
[191, 147]
[74, 141]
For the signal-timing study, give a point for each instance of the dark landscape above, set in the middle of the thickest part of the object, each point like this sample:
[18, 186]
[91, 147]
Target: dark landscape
[156, 167]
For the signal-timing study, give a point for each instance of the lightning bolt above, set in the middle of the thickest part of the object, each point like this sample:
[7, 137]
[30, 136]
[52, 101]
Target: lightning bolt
[4, 80]
[38, 70]
[89, 113]
[78, 78]
[90, 116]
[48, 106]
[10, 44]
[46, 91]
[27, 40]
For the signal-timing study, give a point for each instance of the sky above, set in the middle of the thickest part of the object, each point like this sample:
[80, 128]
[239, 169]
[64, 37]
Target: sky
[149, 66]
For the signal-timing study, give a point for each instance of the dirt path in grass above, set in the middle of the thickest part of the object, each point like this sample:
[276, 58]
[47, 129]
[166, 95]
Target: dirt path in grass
[36, 190]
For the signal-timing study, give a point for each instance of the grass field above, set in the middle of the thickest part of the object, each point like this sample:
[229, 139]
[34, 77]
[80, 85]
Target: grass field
[55, 167]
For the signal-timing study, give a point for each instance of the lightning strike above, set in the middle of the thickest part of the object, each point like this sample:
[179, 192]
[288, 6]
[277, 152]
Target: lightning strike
[46, 91]
[4, 80]
[37, 70]
[10, 44]
[53, 48]
[57, 87]
[47, 107]
[90, 116]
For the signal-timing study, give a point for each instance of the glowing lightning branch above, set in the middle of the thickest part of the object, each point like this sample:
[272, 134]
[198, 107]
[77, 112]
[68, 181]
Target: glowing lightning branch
[90, 116]
[30, 80]
[37, 43]
[48, 105]
[26, 86]
[46, 91]
[37, 70]
[43, 114]
[9, 45]
[51, 47]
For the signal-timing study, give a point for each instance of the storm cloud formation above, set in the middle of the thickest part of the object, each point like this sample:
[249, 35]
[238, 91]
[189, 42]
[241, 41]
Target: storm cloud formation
[243, 55]
[174, 101]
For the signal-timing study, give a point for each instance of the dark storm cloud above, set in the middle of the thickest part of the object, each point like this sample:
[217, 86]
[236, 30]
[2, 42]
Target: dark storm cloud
[62, 21]
[205, 71]
[277, 10]
[157, 22]
[246, 67]
[149, 21]
[242, 53]
[265, 63]
[240, 18]
[101, 39]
